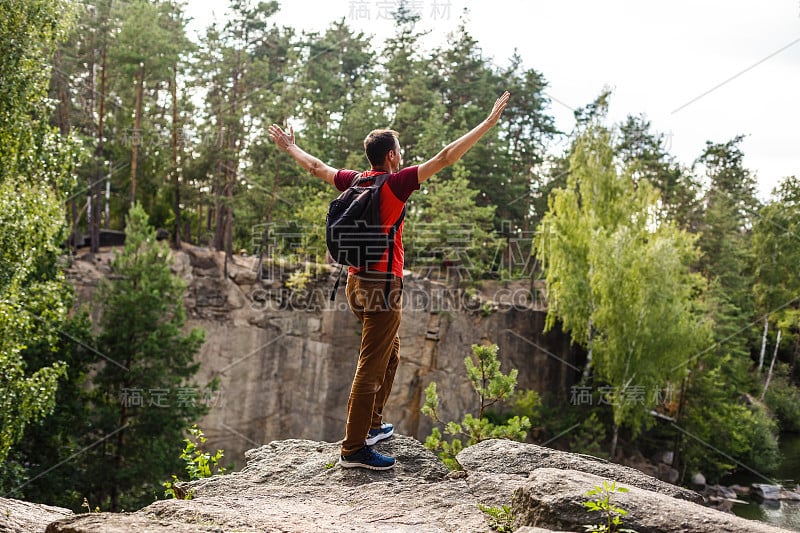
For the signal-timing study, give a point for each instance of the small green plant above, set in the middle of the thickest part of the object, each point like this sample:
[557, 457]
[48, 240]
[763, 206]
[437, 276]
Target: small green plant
[330, 465]
[89, 507]
[198, 464]
[298, 280]
[612, 514]
[501, 519]
[492, 386]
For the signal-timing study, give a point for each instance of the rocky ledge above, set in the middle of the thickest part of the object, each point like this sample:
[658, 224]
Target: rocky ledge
[295, 485]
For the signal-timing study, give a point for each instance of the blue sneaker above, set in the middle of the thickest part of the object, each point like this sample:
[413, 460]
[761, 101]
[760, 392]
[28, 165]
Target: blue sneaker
[383, 432]
[366, 457]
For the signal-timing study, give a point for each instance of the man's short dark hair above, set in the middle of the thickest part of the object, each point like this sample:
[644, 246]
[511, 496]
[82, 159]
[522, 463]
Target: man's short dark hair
[379, 143]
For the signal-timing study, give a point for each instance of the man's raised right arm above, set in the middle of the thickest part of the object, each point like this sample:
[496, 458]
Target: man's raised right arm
[286, 143]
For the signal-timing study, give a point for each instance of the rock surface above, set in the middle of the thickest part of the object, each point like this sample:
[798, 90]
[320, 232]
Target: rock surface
[519, 459]
[295, 486]
[552, 498]
[17, 516]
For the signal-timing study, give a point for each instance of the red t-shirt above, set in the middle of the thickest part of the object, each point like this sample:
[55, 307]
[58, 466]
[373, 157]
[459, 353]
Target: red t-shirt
[394, 193]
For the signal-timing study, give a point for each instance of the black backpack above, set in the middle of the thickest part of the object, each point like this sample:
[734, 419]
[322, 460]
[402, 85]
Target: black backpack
[353, 230]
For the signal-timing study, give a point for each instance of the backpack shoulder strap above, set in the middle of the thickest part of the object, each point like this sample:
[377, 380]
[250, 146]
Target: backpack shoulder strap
[360, 178]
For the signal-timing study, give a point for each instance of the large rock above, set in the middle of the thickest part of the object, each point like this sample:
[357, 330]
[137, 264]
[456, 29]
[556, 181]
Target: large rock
[553, 498]
[296, 486]
[17, 516]
[126, 523]
[516, 458]
[762, 491]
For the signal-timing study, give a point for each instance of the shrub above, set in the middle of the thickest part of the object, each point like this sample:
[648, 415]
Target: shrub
[491, 386]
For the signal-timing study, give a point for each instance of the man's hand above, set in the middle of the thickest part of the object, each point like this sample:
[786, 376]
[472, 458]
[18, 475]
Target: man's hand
[497, 110]
[285, 141]
[281, 138]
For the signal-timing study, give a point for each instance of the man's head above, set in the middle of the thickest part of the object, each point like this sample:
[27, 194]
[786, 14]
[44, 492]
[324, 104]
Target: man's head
[383, 150]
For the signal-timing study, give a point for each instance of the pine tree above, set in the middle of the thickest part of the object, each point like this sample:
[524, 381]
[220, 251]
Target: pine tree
[143, 396]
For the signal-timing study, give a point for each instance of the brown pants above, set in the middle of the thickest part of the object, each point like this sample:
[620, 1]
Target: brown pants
[379, 355]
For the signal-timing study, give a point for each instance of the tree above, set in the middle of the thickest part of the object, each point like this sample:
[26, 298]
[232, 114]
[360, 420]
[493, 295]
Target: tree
[645, 154]
[74, 86]
[146, 51]
[409, 85]
[720, 369]
[240, 64]
[776, 254]
[143, 398]
[528, 127]
[465, 243]
[31, 304]
[34, 170]
[715, 413]
[619, 280]
[491, 386]
[57, 439]
[466, 81]
[725, 225]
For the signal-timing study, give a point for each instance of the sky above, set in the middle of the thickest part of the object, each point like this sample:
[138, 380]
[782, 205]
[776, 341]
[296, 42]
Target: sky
[702, 70]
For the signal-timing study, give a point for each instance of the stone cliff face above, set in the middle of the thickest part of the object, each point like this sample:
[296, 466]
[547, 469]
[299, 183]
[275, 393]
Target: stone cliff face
[285, 358]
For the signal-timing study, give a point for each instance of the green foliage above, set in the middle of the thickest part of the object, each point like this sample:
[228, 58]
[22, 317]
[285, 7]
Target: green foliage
[13, 476]
[199, 463]
[527, 403]
[589, 437]
[123, 59]
[783, 399]
[34, 168]
[65, 431]
[446, 450]
[29, 29]
[298, 280]
[435, 233]
[746, 260]
[31, 303]
[775, 255]
[725, 238]
[618, 278]
[142, 326]
[310, 217]
[501, 519]
[612, 513]
[491, 386]
[724, 432]
[483, 371]
[645, 156]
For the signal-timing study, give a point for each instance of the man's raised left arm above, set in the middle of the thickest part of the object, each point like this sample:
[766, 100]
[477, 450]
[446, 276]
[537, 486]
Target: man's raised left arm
[456, 149]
